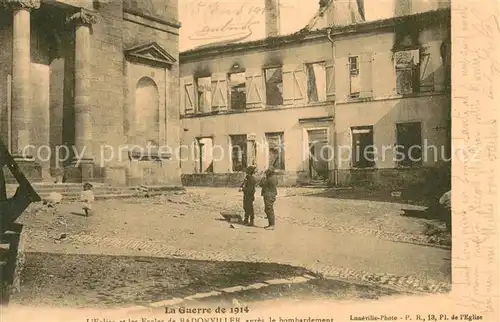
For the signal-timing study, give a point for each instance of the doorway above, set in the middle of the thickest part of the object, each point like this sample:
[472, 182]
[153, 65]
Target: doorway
[319, 154]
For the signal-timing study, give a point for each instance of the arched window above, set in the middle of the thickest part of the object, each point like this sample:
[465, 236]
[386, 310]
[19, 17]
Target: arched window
[147, 112]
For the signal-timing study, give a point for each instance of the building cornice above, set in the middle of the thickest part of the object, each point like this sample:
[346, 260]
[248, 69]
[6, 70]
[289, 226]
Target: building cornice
[170, 23]
[20, 4]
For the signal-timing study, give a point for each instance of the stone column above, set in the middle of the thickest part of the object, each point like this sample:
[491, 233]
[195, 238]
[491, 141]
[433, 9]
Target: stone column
[21, 87]
[21, 64]
[83, 163]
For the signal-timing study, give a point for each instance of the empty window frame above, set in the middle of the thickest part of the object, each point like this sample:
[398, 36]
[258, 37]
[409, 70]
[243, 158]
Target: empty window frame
[276, 146]
[316, 82]
[238, 91]
[274, 86]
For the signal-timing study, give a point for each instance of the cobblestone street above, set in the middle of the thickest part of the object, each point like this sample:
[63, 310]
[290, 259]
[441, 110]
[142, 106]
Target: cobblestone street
[348, 239]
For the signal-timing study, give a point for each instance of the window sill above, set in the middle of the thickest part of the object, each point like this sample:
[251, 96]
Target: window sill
[256, 109]
[391, 97]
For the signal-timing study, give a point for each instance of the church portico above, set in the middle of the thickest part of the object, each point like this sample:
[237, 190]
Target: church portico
[72, 89]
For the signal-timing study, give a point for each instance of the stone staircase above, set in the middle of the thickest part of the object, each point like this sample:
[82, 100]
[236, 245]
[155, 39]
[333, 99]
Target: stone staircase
[314, 184]
[72, 191]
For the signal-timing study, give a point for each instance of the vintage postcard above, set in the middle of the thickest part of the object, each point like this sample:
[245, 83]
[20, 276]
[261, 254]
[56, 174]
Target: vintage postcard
[249, 160]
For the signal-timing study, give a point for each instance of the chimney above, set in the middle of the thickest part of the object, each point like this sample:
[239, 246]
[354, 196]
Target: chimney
[361, 9]
[345, 12]
[402, 8]
[272, 9]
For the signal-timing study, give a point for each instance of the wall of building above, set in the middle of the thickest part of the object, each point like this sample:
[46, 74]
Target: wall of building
[220, 127]
[382, 107]
[111, 85]
[292, 54]
[107, 89]
[138, 29]
[378, 105]
[256, 119]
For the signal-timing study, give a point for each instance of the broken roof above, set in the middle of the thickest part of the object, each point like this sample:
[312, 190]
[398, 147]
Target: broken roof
[305, 34]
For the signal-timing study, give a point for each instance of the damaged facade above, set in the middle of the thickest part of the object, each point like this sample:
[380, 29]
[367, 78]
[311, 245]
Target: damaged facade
[95, 77]
[305, 103]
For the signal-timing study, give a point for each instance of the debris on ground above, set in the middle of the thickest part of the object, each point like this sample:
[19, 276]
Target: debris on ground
[61, 236]
[396, 194]
[53, 199]
[62, 221]
[232, 217]
[178, 202]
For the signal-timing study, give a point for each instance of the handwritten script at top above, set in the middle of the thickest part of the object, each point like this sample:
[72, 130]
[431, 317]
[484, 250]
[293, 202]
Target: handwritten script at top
[225, 20]
[475, 128]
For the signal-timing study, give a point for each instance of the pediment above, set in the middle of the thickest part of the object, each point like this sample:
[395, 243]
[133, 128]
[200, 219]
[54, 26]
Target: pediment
[150, 54]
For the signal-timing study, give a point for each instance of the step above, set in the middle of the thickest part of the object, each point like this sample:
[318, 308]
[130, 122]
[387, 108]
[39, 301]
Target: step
[62, 187]
[161, 188]
[72, 192]
[63, 190]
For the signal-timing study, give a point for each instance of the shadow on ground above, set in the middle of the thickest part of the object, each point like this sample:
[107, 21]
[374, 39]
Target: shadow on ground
[77, 281]
[63, 280]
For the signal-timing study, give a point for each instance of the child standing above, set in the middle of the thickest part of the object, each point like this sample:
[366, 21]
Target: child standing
[248, 188]
[269, 192]
[87, 198]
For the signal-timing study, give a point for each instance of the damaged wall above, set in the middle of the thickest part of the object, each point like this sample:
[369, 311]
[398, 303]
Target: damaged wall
[257, 118]
[369, 85]
[382, 105]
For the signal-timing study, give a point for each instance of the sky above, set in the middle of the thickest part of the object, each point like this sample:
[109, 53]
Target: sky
[209, 21]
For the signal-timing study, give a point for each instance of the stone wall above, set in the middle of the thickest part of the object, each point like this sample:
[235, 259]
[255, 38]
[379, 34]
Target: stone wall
[139, 30]
[107, 88]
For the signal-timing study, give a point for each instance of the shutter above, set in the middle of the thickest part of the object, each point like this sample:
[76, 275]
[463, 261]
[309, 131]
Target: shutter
[383, 66]
[330, 80]
[435, 72]
[427, 68]
[366, 74]
[294, 85]
[288, 84]
[188, 96]
[255, 92]
[343, 83]
[299, 85]
[251, 152]
[219, 92]
[262, 154]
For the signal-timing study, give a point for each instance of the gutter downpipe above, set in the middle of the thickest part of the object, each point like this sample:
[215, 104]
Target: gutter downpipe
[335, 150]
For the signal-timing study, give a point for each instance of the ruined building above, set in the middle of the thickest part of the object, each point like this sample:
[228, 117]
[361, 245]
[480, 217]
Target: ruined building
[306, 103]
[98, 77]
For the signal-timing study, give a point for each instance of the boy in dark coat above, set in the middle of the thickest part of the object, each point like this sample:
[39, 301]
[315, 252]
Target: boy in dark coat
[248, 188]
[269, 185]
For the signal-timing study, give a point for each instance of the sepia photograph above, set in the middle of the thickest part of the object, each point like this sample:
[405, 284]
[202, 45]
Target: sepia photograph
[204, 158]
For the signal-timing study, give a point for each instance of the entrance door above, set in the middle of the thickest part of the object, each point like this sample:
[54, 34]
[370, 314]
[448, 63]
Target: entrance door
[319, 154]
